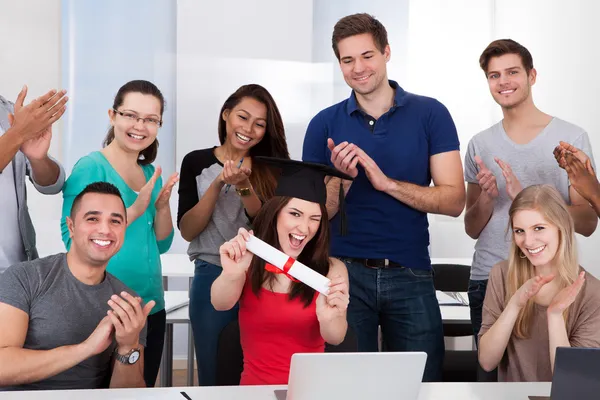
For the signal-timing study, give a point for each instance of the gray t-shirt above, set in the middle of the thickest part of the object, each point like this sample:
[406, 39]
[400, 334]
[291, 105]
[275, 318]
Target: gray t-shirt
[532, 163]
[62, 311]
[198, 170]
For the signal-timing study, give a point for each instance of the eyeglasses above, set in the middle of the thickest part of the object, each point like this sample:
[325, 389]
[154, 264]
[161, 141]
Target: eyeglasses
[134, 118]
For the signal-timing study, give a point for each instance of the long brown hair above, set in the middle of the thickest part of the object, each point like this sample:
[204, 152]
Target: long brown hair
[546, 200]
[315, 254]
[273, 144]
[148, 155]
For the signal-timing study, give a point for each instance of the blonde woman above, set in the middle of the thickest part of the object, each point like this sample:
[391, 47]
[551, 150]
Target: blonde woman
[539, 299]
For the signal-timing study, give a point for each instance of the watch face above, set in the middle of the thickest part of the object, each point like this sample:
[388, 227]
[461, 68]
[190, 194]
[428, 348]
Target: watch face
[133, 357]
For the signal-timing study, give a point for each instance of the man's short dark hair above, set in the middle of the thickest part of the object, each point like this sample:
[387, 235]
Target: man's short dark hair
[357, 24]
[501, 47]
[97, 187]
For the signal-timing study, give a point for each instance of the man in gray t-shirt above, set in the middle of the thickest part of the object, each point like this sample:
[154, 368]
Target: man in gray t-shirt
[66, 323]
[514, 153]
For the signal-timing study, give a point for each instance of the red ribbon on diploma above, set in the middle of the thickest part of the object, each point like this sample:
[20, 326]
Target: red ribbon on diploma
[286, 268]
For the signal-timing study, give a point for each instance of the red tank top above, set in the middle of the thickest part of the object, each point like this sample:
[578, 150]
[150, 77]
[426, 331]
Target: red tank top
[272, 329]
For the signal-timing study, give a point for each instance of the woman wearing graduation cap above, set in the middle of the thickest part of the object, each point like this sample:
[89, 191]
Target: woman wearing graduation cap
[278, 315]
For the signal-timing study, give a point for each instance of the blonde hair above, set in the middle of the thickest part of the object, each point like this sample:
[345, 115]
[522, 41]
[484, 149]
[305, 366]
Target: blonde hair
[546, 200]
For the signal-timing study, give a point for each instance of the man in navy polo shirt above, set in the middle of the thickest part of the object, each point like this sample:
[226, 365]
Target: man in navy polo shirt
[394, 144]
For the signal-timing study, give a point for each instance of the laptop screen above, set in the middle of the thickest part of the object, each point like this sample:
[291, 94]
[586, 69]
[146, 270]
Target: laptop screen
[576, 374]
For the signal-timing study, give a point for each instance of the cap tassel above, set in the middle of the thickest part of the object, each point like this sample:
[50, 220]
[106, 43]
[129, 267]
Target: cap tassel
[342, 210]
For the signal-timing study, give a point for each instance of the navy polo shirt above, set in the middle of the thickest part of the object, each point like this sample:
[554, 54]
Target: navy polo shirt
[401, 142]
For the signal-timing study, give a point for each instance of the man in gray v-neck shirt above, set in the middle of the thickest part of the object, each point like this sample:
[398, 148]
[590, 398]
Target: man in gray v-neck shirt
[25, 134]
[522, 146]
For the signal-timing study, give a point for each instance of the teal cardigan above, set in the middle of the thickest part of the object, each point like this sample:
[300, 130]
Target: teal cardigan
[137, 263]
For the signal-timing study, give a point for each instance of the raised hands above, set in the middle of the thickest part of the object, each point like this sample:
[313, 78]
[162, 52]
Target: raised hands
[235, 258]
[529, 290]
[100, 339]
[143, 200]
[35, 121]
[567, 296]
[128, 318]
[344, 157]
[564, 148]
[582, 177]
[162, 200]
[234, 175]
[38, 115]
[336, 302]
[486, 179]
[513, 186]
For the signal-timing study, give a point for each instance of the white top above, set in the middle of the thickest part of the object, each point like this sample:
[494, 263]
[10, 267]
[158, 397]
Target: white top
[429, 391]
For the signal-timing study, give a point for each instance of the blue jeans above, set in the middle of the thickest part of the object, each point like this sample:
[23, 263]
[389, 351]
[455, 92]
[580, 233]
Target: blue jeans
[207, 323]
[403, 302]
[476, 294]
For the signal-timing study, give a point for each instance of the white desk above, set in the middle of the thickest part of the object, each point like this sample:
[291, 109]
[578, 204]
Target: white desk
[176, 266]
[429, 391]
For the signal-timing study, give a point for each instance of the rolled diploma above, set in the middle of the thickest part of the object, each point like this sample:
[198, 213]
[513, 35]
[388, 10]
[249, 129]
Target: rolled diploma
[278, 258]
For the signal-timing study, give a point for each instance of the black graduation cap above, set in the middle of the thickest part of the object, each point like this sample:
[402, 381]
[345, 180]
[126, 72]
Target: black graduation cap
[306, 181]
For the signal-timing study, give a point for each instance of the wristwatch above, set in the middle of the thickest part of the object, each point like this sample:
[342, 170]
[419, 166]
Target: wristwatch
[130, 358]
[243, 192]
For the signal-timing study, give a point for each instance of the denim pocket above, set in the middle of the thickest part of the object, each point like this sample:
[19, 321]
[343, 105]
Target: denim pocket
[420, 273]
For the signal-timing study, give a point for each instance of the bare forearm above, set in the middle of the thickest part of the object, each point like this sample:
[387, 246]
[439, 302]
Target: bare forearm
[585, 218]
[44, 171]
[492, 344]
[20, 366]
[128, 376]
[443, 199]
[334, 331]
[251, 203]
[478, 215]
[333, 195]
[196, 219]
[10, 143]
[163, 224]
[226, 290]
[557, 335]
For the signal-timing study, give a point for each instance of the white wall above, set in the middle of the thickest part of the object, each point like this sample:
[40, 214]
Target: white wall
[30, 54]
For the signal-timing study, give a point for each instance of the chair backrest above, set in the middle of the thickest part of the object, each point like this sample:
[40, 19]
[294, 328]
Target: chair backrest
[230, 358]
[451, 277]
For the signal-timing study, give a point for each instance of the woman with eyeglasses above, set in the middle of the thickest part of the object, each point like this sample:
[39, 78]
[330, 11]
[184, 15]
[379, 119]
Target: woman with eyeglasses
[130, 147]
[221, 189]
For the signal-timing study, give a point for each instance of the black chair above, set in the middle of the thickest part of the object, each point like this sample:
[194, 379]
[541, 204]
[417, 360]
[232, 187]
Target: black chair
[230, 357]
[459, 365]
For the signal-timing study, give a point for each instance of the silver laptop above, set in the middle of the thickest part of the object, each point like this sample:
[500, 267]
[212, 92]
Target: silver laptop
[348, 376]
